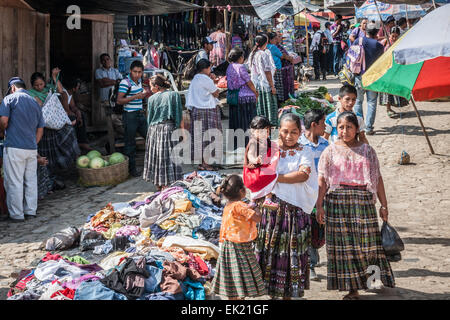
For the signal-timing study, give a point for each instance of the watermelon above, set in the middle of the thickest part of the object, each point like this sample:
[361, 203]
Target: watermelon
[116, 158]
[97, 163]
[93, 154]
[83, 162]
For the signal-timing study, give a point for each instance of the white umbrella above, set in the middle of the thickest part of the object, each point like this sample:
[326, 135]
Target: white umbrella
[430, 39]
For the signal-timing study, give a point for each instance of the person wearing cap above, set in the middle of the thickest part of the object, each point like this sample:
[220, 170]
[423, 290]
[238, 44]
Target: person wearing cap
[359, 31]
[388, 23]
[23, 123]
[372, 50]
[219, 37]
[207, 46]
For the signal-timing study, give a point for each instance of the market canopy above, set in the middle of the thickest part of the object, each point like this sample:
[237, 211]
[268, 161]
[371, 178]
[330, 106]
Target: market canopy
[129, 7]
[369, 10]
[265, 9]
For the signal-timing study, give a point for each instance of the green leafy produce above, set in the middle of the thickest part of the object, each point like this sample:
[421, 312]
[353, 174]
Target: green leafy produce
[93, 154]
[116, 158]
[83, 162]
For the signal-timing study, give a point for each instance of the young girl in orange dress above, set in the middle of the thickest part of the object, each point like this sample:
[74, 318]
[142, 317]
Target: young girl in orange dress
[237, 273]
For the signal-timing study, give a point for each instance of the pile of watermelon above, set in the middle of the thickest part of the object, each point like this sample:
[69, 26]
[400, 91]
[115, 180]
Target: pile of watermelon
[94, 160]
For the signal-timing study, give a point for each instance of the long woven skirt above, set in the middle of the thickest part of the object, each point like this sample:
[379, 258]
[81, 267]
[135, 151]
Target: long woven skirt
[159, 166]
[353, 241]
[202, 121]
[279, 85]
[237, 272]
[60, 147]
[267, 105]
[287, 73]
[282, 249]
[241, 115]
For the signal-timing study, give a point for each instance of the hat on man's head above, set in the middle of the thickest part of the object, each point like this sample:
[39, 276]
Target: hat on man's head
[389, 19]
[12, 82]
[208, 40]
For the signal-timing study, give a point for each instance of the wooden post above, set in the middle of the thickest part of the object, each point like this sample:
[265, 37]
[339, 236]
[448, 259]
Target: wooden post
[421, 124]
[407, 20]
[229, 37]
[434, 4]
[225, 23]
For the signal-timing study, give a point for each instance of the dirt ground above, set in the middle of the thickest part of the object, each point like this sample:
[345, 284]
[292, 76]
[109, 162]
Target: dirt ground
[418, 198]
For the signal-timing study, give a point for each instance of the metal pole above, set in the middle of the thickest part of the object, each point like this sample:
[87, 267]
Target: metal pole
[421, 124]
[407, 20]
[307, 41]
[382, 24]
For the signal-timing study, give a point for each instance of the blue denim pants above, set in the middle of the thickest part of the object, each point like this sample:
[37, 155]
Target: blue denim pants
[133, 122]
[337, 57]
[371, 103]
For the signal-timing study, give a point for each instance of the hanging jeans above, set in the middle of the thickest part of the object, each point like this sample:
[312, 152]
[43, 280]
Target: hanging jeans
[371, 104]
[133, 122]
[337, 57]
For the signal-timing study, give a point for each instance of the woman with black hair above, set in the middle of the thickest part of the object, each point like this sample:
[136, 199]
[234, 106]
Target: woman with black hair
[349, 183]
[205, 114]
[164, 115]
[242, 94]
[217, 55]
[58, 149]
[285, 234]
[262, 75]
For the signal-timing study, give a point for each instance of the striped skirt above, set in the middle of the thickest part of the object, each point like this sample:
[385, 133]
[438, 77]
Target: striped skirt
[202, 121]
[287, 74]
[353, 240]
[267, 106]
[60, 147]
[45, 182]
[159, 166]
[278, 79]
[282, 249]
[237, 272]
[241, 115]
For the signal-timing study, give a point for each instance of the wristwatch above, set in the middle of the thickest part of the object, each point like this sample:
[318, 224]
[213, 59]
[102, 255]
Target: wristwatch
[385, 208]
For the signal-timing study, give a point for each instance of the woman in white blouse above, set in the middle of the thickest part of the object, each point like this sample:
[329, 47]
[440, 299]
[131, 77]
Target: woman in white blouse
[284, 234]
[205, 116]
[262, 70]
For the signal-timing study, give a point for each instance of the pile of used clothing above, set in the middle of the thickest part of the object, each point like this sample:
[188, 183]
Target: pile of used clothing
[163, 248]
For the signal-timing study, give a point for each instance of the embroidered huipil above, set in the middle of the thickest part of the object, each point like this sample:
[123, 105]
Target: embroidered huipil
[237, 225]
[260, 63]
[357, 166]
[237, 78]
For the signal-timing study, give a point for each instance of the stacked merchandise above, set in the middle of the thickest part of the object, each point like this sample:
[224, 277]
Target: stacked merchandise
[162, 248]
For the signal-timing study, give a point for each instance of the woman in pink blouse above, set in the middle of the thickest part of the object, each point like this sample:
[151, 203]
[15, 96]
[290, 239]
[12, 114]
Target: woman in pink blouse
[349, 183]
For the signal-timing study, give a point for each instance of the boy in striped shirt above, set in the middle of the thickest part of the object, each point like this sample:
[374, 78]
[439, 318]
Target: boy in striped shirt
[131, 95]
[347, 99]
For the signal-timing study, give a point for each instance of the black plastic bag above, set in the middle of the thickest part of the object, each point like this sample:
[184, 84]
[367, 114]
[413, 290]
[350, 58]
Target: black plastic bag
[391, 241]
[63, 239]
[89, 239]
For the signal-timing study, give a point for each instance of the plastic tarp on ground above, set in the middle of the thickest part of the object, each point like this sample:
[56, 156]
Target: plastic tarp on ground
[131, 7]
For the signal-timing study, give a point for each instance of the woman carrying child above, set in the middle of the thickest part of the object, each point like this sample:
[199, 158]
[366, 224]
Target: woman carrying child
[237, 274]
[349, 182]
[164, 115]
[284, 235]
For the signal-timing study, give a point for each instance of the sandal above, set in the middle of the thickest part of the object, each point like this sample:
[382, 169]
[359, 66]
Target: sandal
[392, 114]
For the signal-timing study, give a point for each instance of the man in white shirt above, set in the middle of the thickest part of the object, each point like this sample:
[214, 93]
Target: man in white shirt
[207, 46]
[106, 77]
